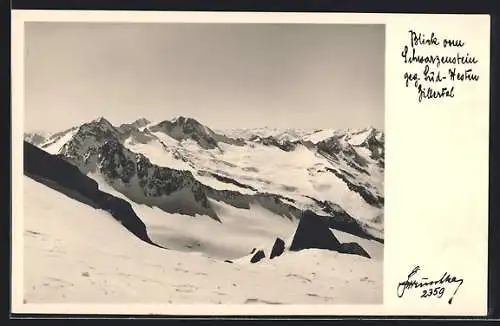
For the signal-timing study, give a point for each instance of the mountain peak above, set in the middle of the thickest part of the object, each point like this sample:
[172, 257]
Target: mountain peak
[101, 121]
[189, 125]
[181, 120]
[99, 125]
[181, 128]
[178, 118]
[141, 122]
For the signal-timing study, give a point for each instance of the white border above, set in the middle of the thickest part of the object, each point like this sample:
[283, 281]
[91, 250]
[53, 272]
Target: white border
[398, 103]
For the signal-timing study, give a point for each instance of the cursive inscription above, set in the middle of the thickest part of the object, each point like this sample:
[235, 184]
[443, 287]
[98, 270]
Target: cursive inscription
[437, 65]
[430, 288]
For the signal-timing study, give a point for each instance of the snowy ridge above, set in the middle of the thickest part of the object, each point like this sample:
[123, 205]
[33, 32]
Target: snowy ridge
[279, 134]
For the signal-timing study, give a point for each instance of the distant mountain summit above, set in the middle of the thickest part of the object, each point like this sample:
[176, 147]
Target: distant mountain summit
[81, 148]
[182, 128]
[140, 123]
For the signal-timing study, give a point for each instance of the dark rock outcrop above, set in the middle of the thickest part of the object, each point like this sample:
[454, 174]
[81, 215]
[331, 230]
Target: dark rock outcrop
[340, 220]
[272, 202]
[284, 145]
[353, 248]
[57, 173]
[225, 179]
[313, 232]
[66, 178]
[278, 248]
[122, 211]
[258, 256]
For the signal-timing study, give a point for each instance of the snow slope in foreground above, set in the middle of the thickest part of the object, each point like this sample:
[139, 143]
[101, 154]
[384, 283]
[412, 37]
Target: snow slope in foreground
[74, 253]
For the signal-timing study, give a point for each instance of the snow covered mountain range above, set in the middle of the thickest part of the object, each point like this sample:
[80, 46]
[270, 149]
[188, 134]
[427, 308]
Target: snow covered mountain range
[179, 165]
[187, 187]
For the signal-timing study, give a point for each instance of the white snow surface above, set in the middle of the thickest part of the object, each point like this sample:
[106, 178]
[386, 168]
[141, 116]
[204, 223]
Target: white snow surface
[358, 137]
[320, 135]
[240, 230]
[76, 254]
[269, 169]
[53, 146]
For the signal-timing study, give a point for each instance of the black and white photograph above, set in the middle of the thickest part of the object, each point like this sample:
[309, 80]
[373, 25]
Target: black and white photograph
[203, 163]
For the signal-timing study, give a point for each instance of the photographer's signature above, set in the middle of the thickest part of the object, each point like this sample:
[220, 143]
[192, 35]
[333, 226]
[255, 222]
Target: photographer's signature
[429, 288]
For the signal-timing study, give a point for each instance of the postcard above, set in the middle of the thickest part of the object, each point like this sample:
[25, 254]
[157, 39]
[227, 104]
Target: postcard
[249, 163]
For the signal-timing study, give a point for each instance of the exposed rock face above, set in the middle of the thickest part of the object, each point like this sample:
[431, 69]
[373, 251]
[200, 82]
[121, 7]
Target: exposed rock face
[186, 128]
[135, 134]
[123, 212]
[278, 248]
[337, 148]
[40, 165]
[258, 256]
[62, 176]
[339, 219]
[83, 147]
[97, 147]
[140, 123]
[284, 145]
[271, 202]
[226, 179]
[354, 249]
[375, 143]
[313, 232]
[169, 189]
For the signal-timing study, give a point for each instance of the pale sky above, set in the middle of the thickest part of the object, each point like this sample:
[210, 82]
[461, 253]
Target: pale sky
[224, 75]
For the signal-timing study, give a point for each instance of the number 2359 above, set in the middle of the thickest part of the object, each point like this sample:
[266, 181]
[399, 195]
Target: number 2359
[434, 292]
